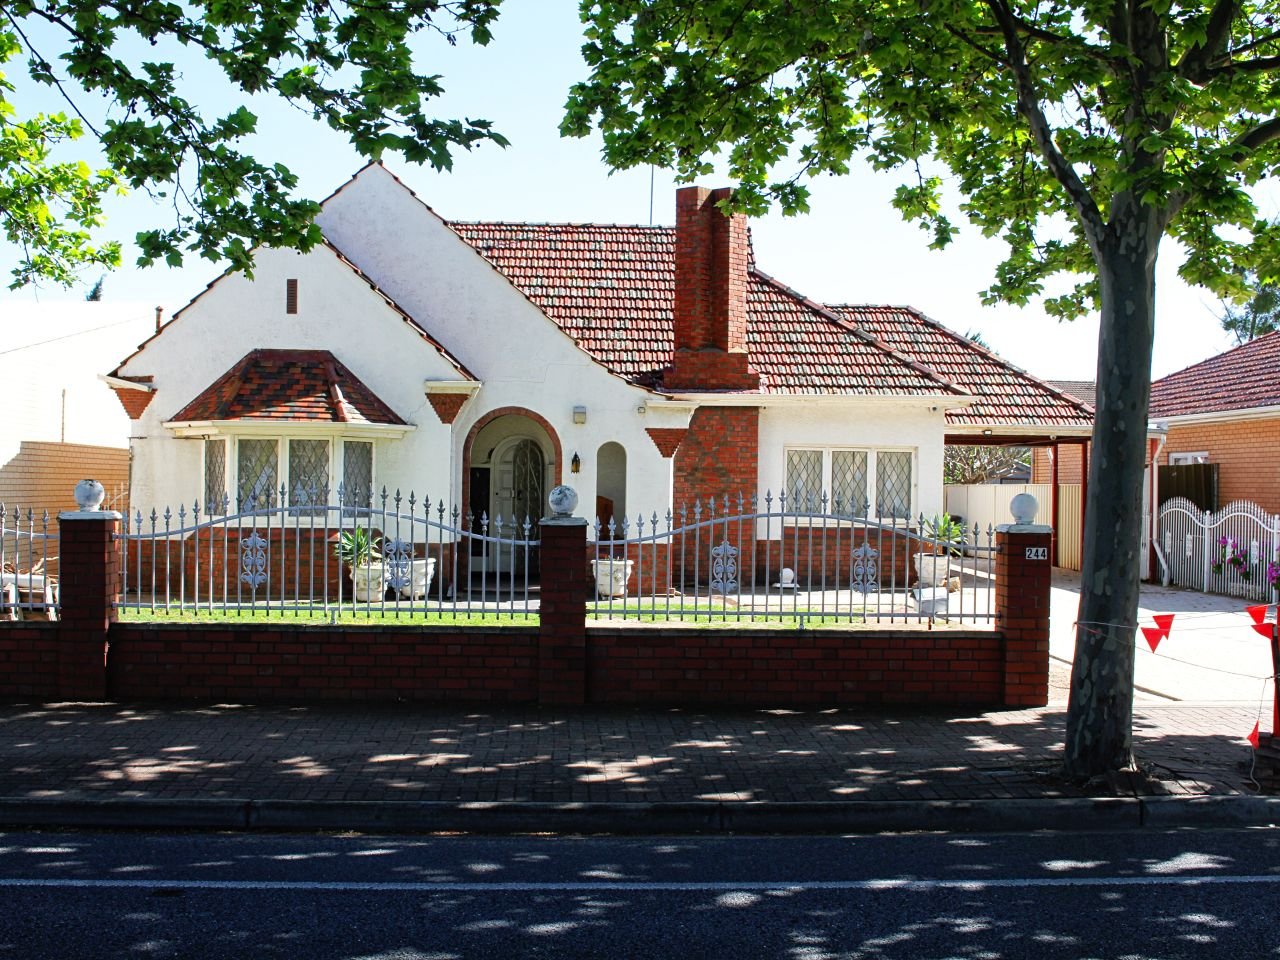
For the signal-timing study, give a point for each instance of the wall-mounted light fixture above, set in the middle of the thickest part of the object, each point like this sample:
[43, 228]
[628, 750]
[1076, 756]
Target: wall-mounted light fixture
[986, 433]
[575, 465]
[579, 414]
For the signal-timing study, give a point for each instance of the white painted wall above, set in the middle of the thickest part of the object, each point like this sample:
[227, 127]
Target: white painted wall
[338, 312]
[869, 423]
[522, 358]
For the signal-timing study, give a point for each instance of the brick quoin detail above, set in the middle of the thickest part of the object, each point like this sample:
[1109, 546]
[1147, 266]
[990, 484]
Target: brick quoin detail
[1022, 617]
[666, 439]
[448, 405]
[710, 309]
[134, 401]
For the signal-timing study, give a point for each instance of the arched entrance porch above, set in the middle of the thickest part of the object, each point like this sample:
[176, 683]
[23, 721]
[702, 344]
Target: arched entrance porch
[510, 462]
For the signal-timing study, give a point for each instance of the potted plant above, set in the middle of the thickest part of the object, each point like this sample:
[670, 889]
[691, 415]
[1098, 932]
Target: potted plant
[358, 551]
[941, 536]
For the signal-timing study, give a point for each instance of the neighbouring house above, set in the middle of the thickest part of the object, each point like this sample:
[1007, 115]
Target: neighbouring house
[1225, 412]
[480, 364]
[59, 423]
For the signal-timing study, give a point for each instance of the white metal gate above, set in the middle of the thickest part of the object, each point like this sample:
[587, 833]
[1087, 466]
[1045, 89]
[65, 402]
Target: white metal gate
[1198, 545]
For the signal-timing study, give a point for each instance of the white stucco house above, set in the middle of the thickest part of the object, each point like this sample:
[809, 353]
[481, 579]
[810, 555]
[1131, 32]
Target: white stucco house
[480, 364]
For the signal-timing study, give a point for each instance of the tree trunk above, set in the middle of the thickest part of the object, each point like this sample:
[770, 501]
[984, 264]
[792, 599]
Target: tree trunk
[1100, 714]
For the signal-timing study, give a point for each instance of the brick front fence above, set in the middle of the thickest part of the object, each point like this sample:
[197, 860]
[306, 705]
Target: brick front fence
[89, 655]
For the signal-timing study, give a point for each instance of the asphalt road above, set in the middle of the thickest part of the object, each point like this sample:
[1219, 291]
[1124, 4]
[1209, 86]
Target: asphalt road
[986, 897]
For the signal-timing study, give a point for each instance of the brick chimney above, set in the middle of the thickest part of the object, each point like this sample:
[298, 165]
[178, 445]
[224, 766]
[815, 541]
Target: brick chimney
[711, 296]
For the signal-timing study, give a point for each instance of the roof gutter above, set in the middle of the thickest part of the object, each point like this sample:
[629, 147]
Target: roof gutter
[1246, 413]
[939, 402]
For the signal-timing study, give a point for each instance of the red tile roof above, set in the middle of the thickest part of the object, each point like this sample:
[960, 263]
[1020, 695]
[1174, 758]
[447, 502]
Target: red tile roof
[1240, 379]
[612, 287]
[289, 385]
[1006, 395]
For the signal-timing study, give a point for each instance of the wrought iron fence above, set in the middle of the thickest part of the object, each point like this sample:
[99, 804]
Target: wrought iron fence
[28, 563]
[1227, 552]
[389, 556]
[742, 559]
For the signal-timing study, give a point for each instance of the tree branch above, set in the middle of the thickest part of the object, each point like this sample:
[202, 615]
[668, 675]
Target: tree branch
[1266, 132]
[1196, 61]
[1260, 65]
[1029, 106]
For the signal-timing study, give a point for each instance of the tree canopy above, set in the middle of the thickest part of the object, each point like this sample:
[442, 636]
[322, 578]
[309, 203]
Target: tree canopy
[1080, 134]
[117, 70]
[1259, 314]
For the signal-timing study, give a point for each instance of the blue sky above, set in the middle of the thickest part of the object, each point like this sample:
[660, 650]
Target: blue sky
[853, 247]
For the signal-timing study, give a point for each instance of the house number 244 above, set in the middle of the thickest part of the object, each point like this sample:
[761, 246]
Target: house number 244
[1037, 553]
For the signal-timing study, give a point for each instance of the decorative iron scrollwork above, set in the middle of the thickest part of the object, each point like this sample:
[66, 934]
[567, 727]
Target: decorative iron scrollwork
[866, 570]
[253, 560]
[724, 568]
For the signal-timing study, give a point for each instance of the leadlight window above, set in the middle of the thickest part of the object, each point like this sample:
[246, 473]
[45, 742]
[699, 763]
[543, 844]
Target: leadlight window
[257, 472]
[357, 472]
[893, 484]
[215, 475]
[308, 473]
[804, 479]
[848, 476]
[849, 483]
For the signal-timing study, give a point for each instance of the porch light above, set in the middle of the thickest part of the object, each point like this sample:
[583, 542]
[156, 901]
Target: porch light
[575, 465]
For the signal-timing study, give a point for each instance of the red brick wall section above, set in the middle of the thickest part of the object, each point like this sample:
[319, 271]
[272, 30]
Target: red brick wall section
[29, 661]
[1246, 454]
[718, 456]
[1022, 617]
[134, 401]
[89, 582]
[666, 439]
[448, 405]
[562, 640]
[268, 664]
[768, 667]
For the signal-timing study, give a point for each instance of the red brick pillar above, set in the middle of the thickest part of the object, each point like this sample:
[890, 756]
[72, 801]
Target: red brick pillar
[88, 587]
[562, 638]
[1022, 607]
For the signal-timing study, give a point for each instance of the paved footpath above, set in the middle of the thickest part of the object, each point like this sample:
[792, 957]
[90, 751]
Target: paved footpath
[76, 752]
[856, 768]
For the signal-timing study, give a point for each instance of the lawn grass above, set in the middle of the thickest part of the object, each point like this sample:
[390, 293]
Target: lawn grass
[373, 616]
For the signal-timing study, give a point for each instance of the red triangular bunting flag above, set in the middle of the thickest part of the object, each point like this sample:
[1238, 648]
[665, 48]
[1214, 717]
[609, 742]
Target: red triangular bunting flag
[1164, 621]
[1253, 737]
[1263, 628]
[1258, 612]
[1154, 636]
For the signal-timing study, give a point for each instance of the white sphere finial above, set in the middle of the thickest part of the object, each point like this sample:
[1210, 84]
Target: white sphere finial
[563, 500]
[89, 495]
[1024, 507]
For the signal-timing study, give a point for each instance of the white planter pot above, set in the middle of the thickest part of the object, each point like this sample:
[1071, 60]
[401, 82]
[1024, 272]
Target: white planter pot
[932, 569]
[421, 572]
[611, 576]
[369, 581]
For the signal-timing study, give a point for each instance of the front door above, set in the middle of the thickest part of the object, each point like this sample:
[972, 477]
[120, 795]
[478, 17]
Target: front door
[519, 478]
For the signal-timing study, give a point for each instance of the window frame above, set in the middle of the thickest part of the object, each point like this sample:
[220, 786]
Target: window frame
[335, 471]
[872, 478]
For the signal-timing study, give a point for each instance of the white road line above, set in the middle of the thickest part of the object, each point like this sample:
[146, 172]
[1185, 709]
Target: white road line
[637, 886]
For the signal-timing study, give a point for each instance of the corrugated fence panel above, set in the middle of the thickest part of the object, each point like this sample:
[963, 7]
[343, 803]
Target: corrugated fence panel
[987, 504]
